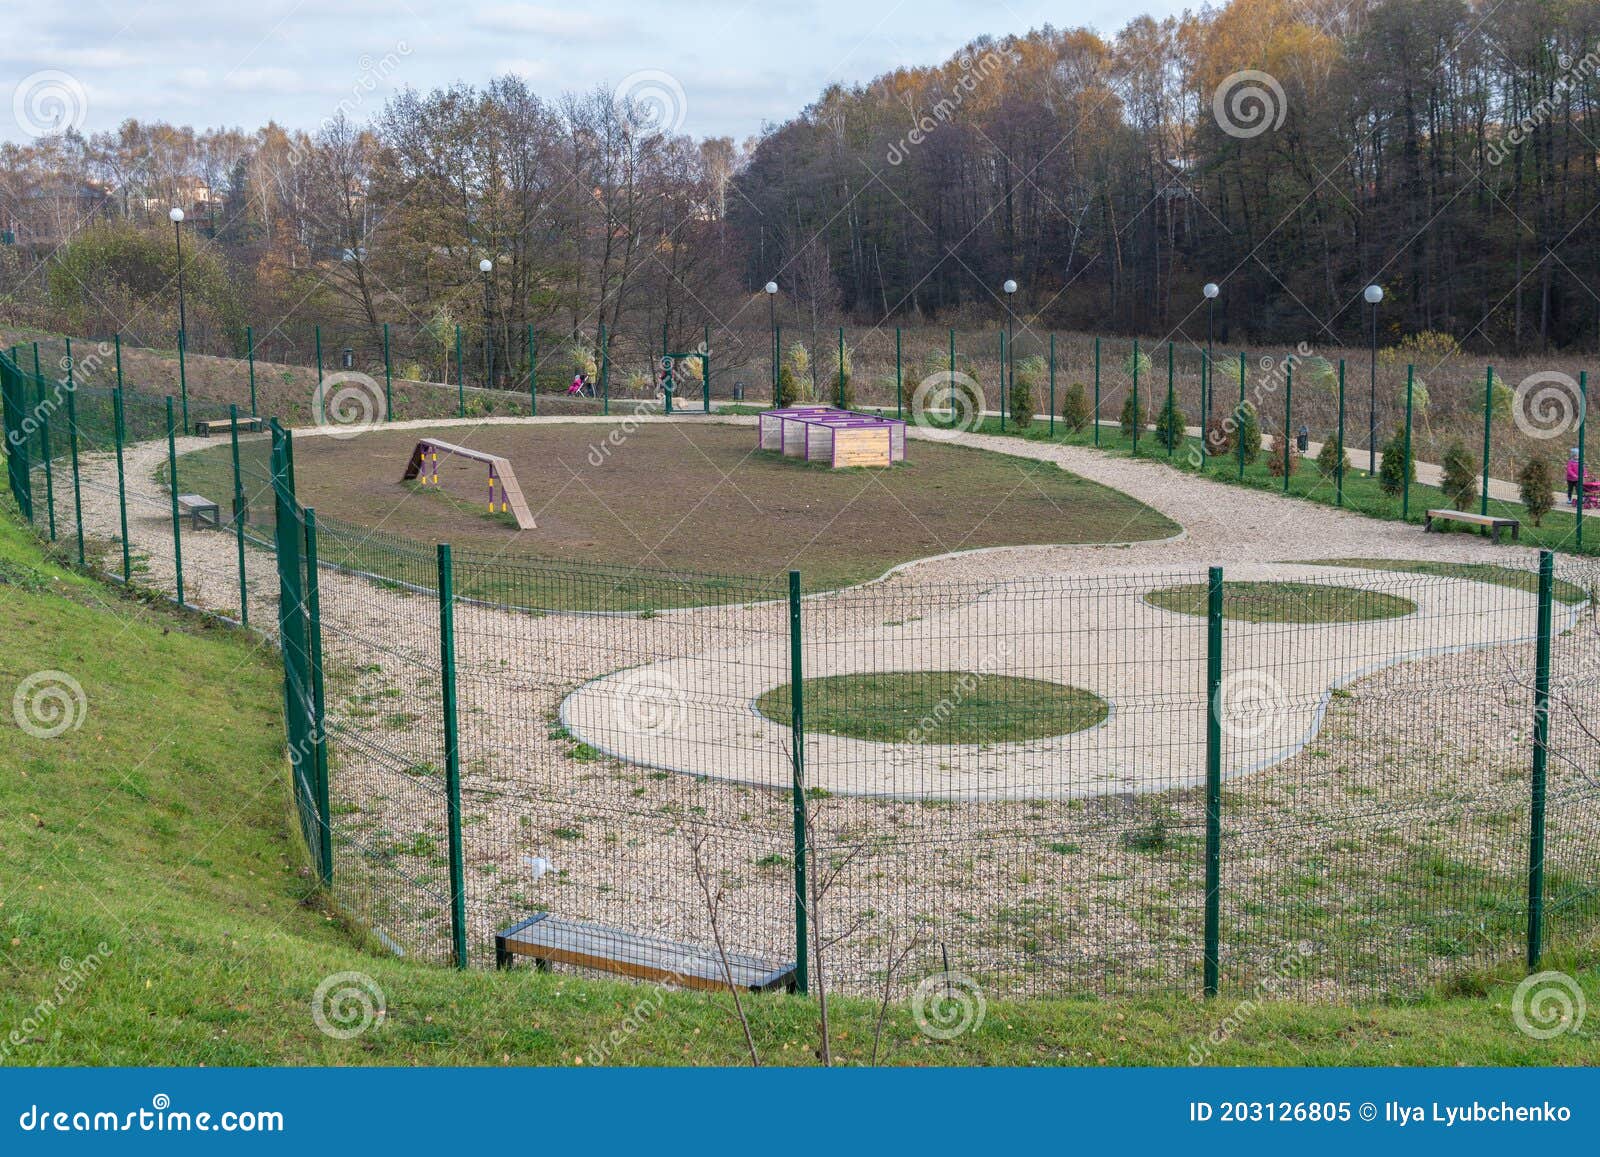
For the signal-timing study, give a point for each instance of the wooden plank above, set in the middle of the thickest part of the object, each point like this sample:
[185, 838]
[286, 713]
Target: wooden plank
[554, 938]
[1475, 519]
[502, 469]
[862, 447]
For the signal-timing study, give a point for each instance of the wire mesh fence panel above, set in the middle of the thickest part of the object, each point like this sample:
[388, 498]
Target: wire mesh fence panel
[1376, 763]
[1572, 841]
[614, 767]
[1001, 783]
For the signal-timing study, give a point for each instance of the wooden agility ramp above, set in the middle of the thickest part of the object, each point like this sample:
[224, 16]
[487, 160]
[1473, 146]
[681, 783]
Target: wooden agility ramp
[505, 496]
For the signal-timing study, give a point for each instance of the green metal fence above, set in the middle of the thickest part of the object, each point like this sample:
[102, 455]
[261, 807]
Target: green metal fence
[1336, 781]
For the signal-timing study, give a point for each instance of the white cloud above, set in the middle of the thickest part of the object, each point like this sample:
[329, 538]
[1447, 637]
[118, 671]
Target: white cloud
[269, 80]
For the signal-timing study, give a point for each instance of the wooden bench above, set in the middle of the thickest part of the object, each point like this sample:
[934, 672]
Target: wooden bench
[1493, 523]
[201, 511]
[549, 939]
[208, 426]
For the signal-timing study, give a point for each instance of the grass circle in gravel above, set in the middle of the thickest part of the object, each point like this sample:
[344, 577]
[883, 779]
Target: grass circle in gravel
[939, 707]
[1284, 602]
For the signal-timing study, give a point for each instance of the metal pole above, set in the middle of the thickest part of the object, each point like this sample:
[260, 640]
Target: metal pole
[605, 370]
[1339, 468]
[772, 341]
[72, 442]
[1583, 424]
[122, 484]
[250, 353]
[388, 378]
[1405, 483]
[953, 375]
[172, 485]
[317, 329]
[1052, 385]
[1205, 402]
[1372, 400]
[488, 341]
[183, 376]
[1213, 916]
[452, 755]
[42, 409]
[1288, 414]
[319, 711]
[1011, 359]
[1172, 407]
[238, 514]
[1239, 420]
[1137, 416]
[1488, 421]
[899, 378]
[705, 370]
[183, 326]
[1097, 391]
[1004, 348]
[533, 373]
[1541, 752]
[841, 367]
[797, 729]
[461, 379]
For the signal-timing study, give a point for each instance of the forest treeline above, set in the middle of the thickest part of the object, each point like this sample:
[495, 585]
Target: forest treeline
[1291, 150]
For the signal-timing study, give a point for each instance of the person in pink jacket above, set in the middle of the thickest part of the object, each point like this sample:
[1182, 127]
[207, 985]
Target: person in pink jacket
[1573, 478]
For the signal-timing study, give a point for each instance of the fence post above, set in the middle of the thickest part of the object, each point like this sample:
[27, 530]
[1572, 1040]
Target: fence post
[238, 514]
[1205, 403]
[172, 486]
[1172, 408]
[533, 374]
[1138, 415]
[1583, 425]
[319, 715]
[1239, 418]
[777, 362]
[42, 408]
[899, 378]
[1097, 391]
[452, 755]
[388, 378]
[72, 445]
[250, 353]
[1405, 484]
[1052, 385]
[953, 378]
[317, 331]
[461, 379]
[1541, 751]
[1338, 472]
[797, 732]
[297, 714]
[605, 371]
[122, 482]
[841, 367]
[1488, 410]
[705, 370]
[1213, 932]
[1288, 414]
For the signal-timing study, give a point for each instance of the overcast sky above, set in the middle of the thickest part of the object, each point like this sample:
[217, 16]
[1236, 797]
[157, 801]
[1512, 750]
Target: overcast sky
[722, 67]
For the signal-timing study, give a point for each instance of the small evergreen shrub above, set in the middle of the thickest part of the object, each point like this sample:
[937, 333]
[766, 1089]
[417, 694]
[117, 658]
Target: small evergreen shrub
[1330, 456]
[1248, 423]
[1171, 424]
[1398, 467]
[1537, 483]
[1075, 409]
[1133, 415]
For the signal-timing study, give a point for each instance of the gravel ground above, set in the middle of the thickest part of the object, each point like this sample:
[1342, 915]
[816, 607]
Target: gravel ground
[1341, 814]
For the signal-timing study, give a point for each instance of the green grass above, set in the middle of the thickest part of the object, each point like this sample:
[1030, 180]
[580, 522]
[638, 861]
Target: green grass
[938, 707]
[150, 857]
[1483, 572]
[1284, 602]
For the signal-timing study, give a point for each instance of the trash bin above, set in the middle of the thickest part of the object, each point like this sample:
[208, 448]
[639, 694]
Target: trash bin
[348, 359]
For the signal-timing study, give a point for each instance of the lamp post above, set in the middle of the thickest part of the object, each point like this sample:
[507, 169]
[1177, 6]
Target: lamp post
[1373, 294]
[771, 289]
[1010, 288]
[176, 216]
[486, 267]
